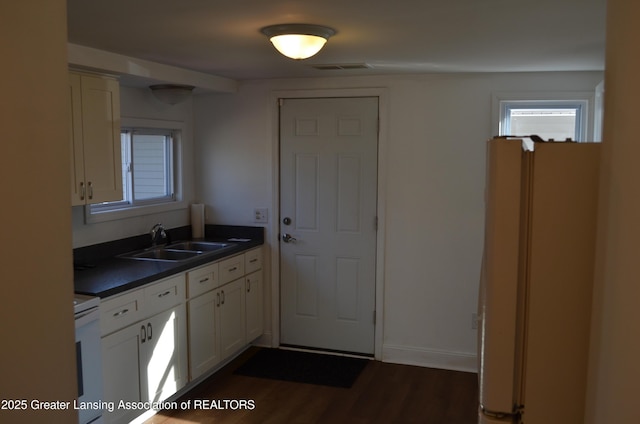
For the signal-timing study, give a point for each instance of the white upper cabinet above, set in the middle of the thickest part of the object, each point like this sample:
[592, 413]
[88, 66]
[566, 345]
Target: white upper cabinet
[96, 174]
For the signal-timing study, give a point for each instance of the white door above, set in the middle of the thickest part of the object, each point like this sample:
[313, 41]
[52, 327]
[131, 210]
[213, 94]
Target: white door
[328, 196]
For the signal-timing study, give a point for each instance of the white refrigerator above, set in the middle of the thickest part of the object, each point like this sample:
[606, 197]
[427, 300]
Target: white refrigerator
[536, 286]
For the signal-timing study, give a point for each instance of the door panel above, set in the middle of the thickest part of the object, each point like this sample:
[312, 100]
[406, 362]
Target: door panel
[348, 189]
[347, 288]
[306, 286]
[307, 191]
[328, 193]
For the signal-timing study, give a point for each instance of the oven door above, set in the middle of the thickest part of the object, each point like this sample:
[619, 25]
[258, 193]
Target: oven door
[89, 364]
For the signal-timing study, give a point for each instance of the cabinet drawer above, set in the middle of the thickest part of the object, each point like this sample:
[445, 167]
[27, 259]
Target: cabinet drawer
[164, 294]
[119, 312]
[253, 260]
[231, 269]
[202, 280]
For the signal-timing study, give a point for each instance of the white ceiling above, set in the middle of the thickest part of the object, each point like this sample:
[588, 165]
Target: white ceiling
[222, 38]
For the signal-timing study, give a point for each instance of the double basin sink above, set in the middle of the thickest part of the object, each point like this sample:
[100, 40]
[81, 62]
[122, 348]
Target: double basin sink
[177, 252]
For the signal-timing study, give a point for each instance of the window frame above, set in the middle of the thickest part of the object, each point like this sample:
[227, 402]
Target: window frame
[175, 201]
[582, 101]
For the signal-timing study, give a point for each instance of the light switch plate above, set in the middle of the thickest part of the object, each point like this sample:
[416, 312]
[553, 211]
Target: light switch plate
[261, 215]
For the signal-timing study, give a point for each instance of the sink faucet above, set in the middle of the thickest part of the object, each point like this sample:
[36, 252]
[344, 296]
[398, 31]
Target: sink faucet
[158, 228]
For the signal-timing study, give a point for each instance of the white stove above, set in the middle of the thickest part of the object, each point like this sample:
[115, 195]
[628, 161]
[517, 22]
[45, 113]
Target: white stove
[83, 303]
[88, 355]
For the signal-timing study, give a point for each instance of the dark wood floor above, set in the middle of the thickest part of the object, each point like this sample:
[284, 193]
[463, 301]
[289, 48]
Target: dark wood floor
[383, 393]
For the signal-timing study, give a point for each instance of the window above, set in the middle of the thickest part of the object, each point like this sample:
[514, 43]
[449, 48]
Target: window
[550, 115]
[148, 171]
[147, 166]
[549, 120]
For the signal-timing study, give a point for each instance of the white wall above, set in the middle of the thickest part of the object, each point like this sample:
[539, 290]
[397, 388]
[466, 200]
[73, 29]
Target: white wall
[433, 182]
[139, 103]
[37, 359]
[614, 382]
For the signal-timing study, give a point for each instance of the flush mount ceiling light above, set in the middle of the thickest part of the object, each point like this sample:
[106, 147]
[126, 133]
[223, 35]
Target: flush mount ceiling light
[171, 94]
[298, 41]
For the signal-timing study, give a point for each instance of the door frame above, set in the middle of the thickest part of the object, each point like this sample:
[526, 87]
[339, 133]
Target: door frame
[383, 112]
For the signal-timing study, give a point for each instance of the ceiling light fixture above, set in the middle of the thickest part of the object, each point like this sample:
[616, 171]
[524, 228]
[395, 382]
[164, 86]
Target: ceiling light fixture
[171, 94]
[298, 41]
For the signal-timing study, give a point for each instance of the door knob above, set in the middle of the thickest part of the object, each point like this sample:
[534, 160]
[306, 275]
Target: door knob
[286, 221]
[287, 238]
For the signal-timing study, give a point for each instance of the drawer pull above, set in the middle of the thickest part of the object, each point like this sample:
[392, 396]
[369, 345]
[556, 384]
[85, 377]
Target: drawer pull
[253, 260]
[168, 292]
[235, 268]
[248, 286]
[204, 280]
[122, 312]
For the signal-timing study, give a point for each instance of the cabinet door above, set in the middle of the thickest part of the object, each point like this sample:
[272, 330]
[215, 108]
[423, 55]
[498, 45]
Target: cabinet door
[77, 154]
[101, 139]
[203, 333]
[232, 318]
[120, 369]
[163, 354]
[254, 305]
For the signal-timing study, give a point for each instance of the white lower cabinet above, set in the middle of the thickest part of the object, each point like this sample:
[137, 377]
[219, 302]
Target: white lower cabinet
[121, 370]
[157, 338]
[163, 355]
[144, 362]
[216, 326]
[254, 306]
[232, 318]
[228, 316]
[204, 353]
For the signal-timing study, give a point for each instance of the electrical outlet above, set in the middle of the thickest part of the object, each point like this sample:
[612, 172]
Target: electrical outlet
[261, 215]
[474, 321]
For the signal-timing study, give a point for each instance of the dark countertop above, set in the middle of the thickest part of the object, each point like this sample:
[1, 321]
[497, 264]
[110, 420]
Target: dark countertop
[99, 272]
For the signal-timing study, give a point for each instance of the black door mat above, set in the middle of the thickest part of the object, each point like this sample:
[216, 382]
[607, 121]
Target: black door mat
[303, 367]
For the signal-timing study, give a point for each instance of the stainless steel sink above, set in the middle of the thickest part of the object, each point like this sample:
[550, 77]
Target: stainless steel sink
[177, 252]
[201, 246]
[162, 254]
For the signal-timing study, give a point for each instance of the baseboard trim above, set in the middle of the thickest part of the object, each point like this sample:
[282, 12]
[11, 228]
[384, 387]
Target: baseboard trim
[265, 340]
[408, 355]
